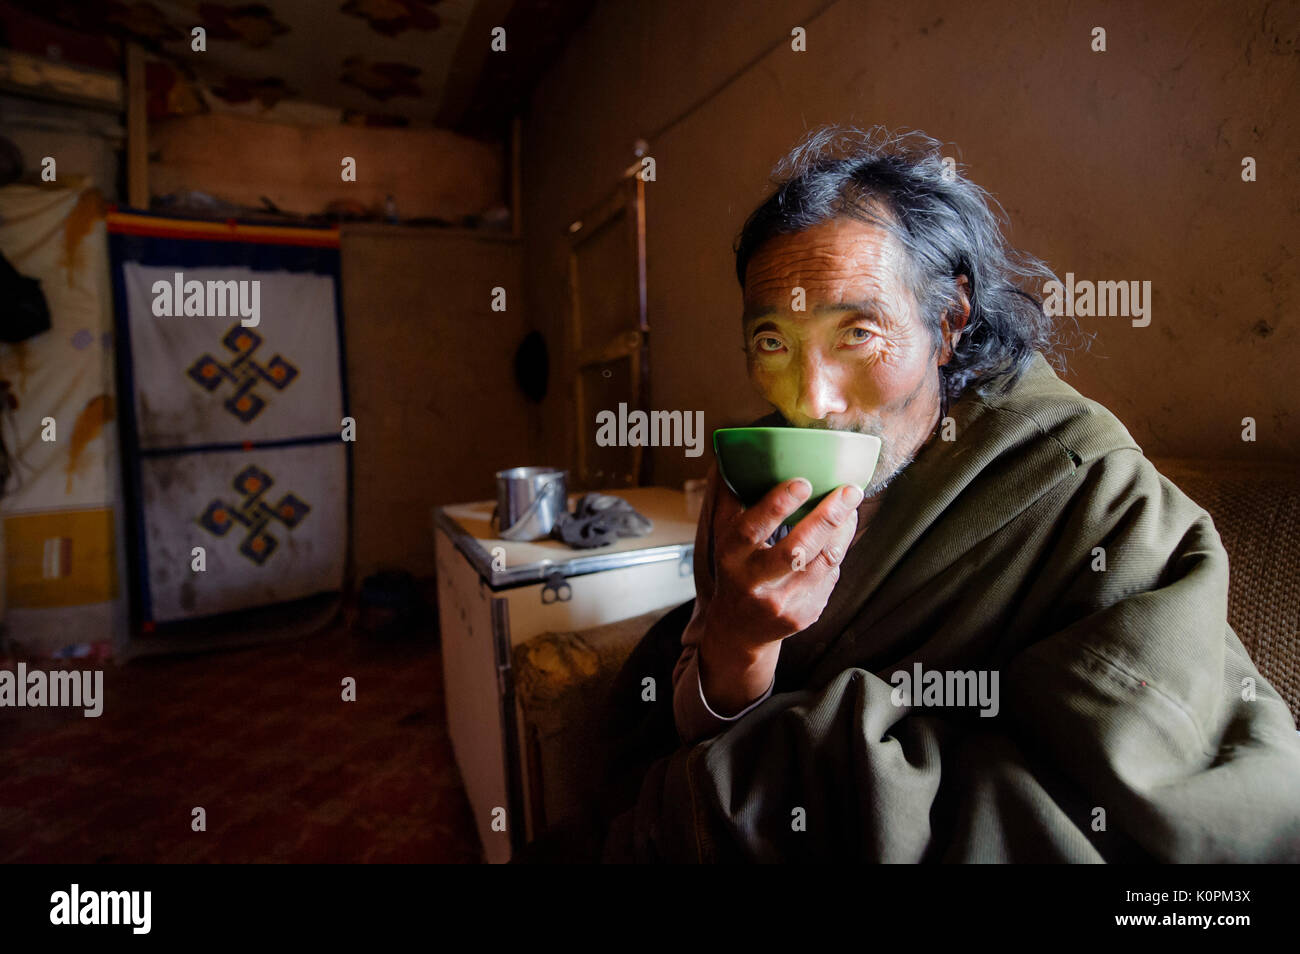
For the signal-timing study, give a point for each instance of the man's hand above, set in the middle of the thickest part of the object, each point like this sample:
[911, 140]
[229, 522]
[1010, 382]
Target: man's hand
[762, 594]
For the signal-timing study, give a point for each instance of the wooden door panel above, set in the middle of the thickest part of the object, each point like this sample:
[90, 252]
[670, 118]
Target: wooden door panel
[608, 333]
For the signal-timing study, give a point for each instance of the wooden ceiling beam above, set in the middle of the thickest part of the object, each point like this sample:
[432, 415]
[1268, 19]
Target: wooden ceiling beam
[38, 78]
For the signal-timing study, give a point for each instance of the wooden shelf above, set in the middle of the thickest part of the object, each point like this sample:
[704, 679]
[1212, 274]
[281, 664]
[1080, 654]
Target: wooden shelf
[380, 229]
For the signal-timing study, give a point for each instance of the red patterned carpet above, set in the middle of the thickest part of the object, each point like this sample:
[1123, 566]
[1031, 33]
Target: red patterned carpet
[261, 739]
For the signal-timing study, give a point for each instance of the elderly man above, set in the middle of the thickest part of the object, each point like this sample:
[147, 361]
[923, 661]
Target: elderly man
[1013, 536]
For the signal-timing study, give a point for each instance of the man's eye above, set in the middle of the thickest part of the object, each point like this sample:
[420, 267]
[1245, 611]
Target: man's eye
[856, 336]
[768, 343]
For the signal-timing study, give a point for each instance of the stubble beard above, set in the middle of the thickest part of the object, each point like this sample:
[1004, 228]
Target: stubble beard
[895, 454]
[893, 460]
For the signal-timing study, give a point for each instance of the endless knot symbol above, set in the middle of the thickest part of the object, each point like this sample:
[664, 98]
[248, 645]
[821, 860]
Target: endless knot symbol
[254, 513]
[243, 372]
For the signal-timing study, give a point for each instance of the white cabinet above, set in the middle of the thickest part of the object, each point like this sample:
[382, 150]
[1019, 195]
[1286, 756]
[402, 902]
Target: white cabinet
[494, 595]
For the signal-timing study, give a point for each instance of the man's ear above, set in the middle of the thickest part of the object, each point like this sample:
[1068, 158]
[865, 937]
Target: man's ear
[953, 323]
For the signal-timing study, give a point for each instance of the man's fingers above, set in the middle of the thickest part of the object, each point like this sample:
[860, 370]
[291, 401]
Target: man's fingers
[760, 521]
[837, 546]
[812, 585]
[814, 532]
[726, 508]
[704, 534]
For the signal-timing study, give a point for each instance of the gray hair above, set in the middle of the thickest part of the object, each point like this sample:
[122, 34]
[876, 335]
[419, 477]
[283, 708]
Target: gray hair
[902, 183]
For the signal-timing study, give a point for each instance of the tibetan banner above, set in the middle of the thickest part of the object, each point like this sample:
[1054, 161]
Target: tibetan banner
[231, 342]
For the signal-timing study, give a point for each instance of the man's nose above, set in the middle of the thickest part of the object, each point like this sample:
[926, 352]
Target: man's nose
[819, 392]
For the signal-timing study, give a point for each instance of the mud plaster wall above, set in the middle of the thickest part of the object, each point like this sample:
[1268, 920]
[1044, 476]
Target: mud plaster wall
[1117, 165]
[431, 382]
[431, 173]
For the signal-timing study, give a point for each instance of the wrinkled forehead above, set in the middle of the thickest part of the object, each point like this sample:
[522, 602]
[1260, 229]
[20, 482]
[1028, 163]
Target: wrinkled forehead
[836, 261]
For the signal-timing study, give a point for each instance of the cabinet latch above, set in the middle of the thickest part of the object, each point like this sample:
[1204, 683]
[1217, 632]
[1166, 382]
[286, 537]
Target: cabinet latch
[555, 589]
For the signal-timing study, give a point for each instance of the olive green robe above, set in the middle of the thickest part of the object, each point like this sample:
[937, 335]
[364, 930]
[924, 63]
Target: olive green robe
[1131, 725]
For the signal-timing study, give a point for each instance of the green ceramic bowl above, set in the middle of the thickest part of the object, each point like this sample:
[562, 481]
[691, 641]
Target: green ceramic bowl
[753, 460]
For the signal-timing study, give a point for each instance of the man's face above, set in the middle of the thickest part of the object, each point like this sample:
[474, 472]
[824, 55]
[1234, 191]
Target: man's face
[858, 358]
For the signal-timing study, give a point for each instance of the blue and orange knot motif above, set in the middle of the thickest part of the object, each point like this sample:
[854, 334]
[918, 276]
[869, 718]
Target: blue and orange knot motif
[254, 513]
[243, 372]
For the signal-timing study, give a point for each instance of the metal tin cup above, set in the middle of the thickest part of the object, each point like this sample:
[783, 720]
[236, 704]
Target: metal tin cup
[529, 502]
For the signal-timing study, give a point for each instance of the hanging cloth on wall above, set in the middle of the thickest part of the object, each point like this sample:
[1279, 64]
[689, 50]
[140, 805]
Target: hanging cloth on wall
[25, 314]
[61, 508]
[232, 352]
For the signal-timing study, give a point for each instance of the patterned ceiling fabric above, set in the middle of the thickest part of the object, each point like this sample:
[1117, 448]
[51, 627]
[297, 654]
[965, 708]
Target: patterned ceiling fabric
[253, 24]
[382, 81]
[352, 55]
[109, 16]
[268, 91]
[391, 17]
[364, 62]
